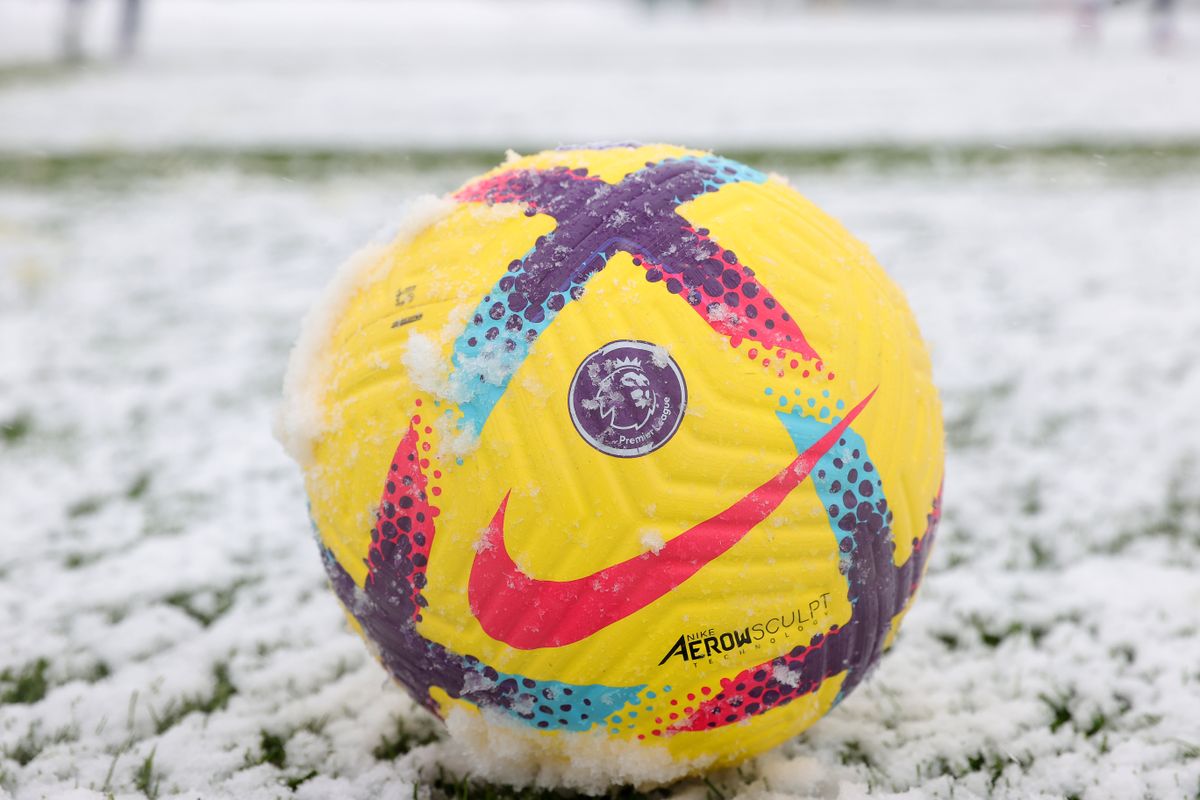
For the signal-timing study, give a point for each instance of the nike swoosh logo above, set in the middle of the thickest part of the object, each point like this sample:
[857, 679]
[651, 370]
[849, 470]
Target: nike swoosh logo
[528, 613]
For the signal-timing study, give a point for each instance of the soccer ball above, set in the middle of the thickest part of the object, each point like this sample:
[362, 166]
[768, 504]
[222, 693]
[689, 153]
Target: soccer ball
[629, 447]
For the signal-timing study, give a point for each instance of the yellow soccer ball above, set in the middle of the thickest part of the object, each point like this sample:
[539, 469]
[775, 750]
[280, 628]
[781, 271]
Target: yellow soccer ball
[624, 453]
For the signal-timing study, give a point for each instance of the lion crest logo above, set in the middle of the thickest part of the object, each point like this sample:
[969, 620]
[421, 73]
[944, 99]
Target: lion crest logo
[627, 398]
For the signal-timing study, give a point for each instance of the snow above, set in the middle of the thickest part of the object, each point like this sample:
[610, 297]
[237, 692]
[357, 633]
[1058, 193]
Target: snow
[505, 753]
[163, 610]
[300, 420]
[533, 73]
[153, 525]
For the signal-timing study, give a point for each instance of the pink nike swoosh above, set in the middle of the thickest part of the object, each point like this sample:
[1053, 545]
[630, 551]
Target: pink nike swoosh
[528, 613]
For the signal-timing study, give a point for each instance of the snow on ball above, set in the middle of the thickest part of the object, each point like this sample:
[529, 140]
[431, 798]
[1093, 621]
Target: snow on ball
[626, 461]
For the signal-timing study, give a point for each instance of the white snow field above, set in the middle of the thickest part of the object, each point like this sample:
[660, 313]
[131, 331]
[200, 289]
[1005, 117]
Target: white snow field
[166, 622]
[531, 73]
[166, 628]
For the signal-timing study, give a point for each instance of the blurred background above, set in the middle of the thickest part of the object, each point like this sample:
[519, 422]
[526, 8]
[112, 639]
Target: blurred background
[179, 179]
[485, 75]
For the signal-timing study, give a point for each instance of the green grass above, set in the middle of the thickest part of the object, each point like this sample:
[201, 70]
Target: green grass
[85, 507]
[146, 780]
[1059, 706]
[207, 613]
[403, 739]
[31, 744]
[272, 749]
[1136, 159]
[296, 780]
[26, 749]
[990, 764]
[27, 685]
[79, 560]
[138, 487]
[16, 428]
[993, 636]
[852, 752]
[222, 690]
[25, 74]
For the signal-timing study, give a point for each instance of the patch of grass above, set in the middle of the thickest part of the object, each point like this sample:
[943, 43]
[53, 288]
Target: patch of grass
[949, 640]
[1135, 159]
[993, 636]
[77, 560]
[223, 689]
[1060, 708]
[714, 792]
[852, 752]
[98, 672]
[14, 429]
[27, 685]
[31, 745]
[1042, 556]
[403, 739]
[85, 507]
[90, 505]
[39, 72]
[26, 749]
[294, 782]
[272, 749]
[963, 427]
[208, 613]
[990, 764]
[139, 486]
[1031, 505]
[1178, 520]
[1098, 723]
[146, 780]
[1125, 652]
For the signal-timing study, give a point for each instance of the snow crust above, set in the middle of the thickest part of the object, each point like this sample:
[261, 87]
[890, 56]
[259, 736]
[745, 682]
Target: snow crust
[503, 752]
[154, 531]
[304, 413]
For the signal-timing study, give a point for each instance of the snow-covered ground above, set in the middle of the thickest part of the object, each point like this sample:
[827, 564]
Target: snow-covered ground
[166, 622]
[530, 73]
[165, 625]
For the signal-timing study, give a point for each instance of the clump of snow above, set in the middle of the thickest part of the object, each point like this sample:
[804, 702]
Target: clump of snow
[454, 440]
[428, 365]
[659, 356]
[424, 364]
[653, 540]
[786, 676]
[303, 416]
[719, 312]
[775, 177]
[502, 751]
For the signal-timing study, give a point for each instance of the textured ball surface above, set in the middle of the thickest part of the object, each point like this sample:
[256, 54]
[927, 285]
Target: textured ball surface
[631, 445]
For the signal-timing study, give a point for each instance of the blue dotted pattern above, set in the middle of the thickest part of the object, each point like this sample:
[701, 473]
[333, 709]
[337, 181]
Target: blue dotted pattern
[845, 479]
[727, 171]
[553, 705]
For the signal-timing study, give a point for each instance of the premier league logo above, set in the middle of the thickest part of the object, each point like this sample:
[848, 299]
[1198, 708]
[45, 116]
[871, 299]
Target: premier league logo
[627, 398]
